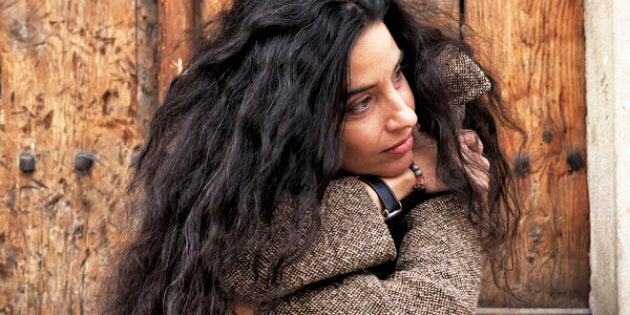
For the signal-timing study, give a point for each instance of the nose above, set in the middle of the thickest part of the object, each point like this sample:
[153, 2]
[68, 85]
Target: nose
[401, 114]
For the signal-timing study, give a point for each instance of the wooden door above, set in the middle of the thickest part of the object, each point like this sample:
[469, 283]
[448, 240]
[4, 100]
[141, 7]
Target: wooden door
[537, 48]
[80, 81]
[77, 83]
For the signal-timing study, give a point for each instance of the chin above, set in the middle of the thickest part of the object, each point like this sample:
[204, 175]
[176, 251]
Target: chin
[392, 170]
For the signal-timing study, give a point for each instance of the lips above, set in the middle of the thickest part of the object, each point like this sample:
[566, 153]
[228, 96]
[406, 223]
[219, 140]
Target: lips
[401, 147]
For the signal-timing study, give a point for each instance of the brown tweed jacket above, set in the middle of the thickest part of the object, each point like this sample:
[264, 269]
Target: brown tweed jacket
[436, 267]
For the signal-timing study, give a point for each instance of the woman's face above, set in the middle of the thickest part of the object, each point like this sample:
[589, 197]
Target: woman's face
[380, 117]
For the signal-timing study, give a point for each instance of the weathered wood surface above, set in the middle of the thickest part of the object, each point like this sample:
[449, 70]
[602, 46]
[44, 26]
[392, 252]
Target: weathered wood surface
[175, 20]
[179, 22]
[69, 83]
[85, 77]
[542, 41]
[445, 13]
[206, 10]
[537, 48]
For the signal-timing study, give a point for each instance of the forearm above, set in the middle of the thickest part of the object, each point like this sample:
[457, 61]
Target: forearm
[437, 272]
[352, 236]
[443, 246]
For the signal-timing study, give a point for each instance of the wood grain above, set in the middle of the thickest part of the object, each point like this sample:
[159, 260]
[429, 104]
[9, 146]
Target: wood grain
[537, 47]
[69, 84]
[207, 9]
[176, 19]
[447, 15]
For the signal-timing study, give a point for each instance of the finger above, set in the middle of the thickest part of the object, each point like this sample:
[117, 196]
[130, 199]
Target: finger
[480, 179]
[475, 158]
[483, 163]
[478, 168]
[469, 136]
[471, 139]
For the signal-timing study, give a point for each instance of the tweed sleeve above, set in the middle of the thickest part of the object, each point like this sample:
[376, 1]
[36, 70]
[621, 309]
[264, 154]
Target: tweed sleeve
[438, 271]
[464, 77]
[353, 236]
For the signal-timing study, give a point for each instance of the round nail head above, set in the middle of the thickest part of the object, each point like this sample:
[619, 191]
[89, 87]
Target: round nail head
[83, 161]
[576, 161]
[522, 166]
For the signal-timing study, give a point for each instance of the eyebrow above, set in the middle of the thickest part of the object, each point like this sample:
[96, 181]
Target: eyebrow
[365, 88]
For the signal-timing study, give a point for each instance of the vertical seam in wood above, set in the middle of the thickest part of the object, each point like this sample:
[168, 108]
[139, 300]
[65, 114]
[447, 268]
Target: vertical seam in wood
[136, 50]
[0, 79]
[197, 25]
[147, 59]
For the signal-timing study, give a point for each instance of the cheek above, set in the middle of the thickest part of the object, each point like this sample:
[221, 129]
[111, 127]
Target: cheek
[355, 139]
[359, 142]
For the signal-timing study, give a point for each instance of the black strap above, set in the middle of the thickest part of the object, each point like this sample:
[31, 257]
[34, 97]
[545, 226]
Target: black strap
[391, 206]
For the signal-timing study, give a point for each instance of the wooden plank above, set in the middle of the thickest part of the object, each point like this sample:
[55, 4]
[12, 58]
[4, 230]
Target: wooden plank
[175, 20]
[537, 47]
[206, 9]
[448, 15]
[69, 84]
[444, 11]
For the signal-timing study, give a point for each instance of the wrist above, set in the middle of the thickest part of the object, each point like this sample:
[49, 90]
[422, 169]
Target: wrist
[387, 202]
[373, 196]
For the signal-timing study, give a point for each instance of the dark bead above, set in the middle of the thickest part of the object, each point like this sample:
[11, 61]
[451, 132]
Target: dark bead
[419, 188]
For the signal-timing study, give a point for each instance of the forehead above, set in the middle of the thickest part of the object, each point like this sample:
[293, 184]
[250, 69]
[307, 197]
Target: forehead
[375, 53]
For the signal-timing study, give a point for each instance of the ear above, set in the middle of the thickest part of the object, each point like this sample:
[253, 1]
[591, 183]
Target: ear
[465, 79]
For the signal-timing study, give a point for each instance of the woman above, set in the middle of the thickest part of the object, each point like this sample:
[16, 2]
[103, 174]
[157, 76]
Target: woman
[258, 189]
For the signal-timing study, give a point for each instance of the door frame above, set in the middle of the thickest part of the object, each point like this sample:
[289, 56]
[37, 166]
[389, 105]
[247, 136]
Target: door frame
[608, 159]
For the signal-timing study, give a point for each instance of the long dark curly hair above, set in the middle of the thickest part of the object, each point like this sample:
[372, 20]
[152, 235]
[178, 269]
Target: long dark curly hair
[256, 116]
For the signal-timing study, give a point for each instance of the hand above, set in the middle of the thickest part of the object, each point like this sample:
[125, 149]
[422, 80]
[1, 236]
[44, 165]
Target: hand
[425, 156]
[477, 166]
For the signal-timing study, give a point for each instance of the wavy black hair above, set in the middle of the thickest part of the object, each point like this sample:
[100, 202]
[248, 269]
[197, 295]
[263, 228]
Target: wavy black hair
[256, 116]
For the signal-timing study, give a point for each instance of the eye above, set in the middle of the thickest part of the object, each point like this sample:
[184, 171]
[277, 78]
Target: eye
[398, 76]
[359, 106]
